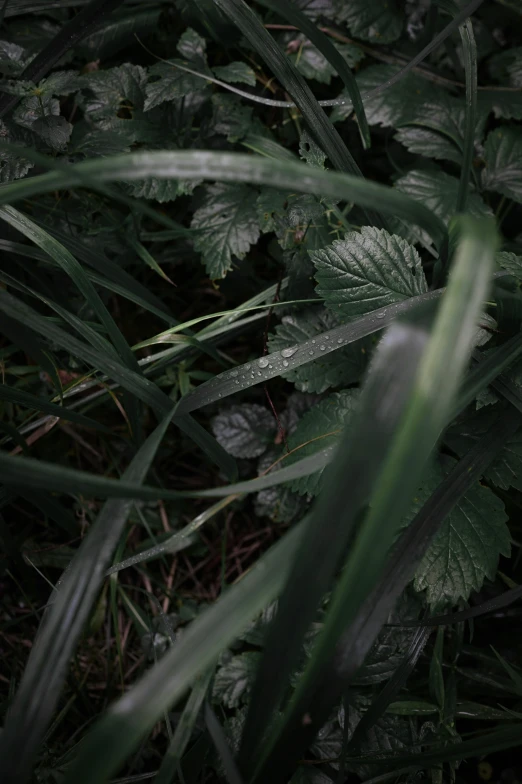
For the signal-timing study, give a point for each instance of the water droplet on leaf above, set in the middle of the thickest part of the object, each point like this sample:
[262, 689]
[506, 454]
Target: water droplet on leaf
[263, 362]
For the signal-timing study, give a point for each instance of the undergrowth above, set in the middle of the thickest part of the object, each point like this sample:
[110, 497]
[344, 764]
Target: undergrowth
[260, 312]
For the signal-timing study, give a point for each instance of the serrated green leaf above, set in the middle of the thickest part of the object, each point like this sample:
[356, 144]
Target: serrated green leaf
[503, 155]
[391, 645]
[170, 85]
[380, 21]
[161, 191]
[438, 191]
[510, 262]
[398, 104]
[319, 428]
[506, 470]
[193, 47]
[310, 151]
[12, 166]
[54, 130]
[231, 117]
[113, 100]
[234, 679]
[227, 226]
[236, 72]
[270, 205]
[341, 368]
[13, 58]
[367, 270]
[245, 430]
[313, 65]
[467, 546]
[423, 141]
[505, 104]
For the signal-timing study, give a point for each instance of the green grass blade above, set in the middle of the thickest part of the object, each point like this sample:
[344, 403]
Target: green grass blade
[272, 365]
[289, 11]
[470, 65]
[74, 270]
[170, 763]
[133, 294]
[228, 167]
[332, 524]
[71, 604]
[118, 733]
[136, 384]
[360, 634]
[440, 373]
[21, 398]
[29, 472]
[25, 339]
[285, 71]
[219, 740]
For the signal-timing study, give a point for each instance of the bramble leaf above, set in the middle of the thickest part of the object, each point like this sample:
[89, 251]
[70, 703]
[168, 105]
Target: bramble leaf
[319, 428]
[227, 226]
[233, 680]
[467, 546]
[367, 270]
[235, 72]
[245, 430]
[380, 21]
[338, 369]
[503, 155]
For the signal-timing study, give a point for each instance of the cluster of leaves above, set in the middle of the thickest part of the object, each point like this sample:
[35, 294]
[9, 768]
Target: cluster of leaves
[135, 215]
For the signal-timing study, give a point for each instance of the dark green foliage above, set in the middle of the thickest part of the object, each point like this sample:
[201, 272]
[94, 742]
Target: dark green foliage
[261, 390]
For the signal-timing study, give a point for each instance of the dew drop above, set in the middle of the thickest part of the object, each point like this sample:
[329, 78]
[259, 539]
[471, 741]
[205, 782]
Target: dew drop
[380, 315]
[270, 367]
[322, 348]
[311, 353]
[237, 382]
[339, 340]
[247, 366]
[313, 341]
[259, 373]
[233, 373]
[285, 363]
[288, 352]
[263, 362]
[327, 337]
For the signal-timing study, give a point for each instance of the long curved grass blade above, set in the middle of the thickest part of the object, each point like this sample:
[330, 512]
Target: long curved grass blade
[215, 730]
[392, 687]
[440, 373]
[359, 636]
[28, 252]
[22, 398]
[132, 716]
[71, 604]
[80, 26]
[470, 65]
[332, 523]
[226, 167]
[132, 382]
[28, 472]
[490, 605]
[278, 362]
[289, 11]
[25, 339]
[183, 732]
